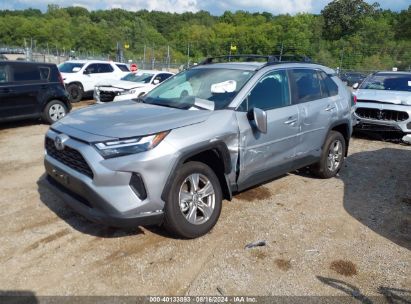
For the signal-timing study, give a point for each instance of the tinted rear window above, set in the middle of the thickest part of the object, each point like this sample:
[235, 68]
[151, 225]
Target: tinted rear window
[26, 72]
[45, 73]
[390, 82]
[307, 83]
[105, 68]
[123, 67]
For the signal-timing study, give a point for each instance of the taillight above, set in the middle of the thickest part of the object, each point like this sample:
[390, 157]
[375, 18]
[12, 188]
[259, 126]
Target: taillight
[61, 79]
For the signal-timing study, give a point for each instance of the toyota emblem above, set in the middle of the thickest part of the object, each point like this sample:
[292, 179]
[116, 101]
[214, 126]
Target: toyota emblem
[59, 141]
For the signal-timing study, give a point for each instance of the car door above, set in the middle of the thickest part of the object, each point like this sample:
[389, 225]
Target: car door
[316, 108]
[264, 156]
[21, 94]
[96, 72]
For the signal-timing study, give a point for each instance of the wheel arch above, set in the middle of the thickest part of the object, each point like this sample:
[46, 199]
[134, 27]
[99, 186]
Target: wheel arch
[342, 127]
[215, 155]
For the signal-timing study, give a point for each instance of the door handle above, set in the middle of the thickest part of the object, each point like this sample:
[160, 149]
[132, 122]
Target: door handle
[290, 121]
[329, 108]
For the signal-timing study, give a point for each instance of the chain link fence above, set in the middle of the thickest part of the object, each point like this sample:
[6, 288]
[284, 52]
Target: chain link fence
[58, 56]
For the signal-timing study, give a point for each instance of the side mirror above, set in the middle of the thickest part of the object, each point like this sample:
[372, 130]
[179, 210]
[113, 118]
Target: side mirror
[156, 81]
[260, 119]
[86, 72]
[355, 85]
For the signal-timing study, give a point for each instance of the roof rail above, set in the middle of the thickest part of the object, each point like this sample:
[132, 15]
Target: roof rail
[271, 59]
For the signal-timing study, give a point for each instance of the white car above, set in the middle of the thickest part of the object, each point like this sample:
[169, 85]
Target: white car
[81, 76]
[130, 86]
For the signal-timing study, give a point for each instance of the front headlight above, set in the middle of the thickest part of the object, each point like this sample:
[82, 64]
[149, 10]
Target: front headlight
[129, 146]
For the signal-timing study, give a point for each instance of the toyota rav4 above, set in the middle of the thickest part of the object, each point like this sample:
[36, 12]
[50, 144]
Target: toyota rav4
[218, 128]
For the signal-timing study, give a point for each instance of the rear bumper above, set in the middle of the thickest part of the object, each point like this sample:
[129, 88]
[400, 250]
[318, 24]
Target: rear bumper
[87, 209]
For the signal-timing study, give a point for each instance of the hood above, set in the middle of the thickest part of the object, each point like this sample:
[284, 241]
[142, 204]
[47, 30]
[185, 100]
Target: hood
[393, 97]
[122, 84]
[125, 119]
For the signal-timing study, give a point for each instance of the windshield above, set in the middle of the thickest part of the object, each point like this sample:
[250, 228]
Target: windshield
[70, 67]
[200, 86]
[392, 82]
[144, 77]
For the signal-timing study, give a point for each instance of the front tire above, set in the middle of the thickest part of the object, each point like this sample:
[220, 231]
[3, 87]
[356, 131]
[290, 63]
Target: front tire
[194, 201]
[332, 156]
[54, 111]
[75, 92]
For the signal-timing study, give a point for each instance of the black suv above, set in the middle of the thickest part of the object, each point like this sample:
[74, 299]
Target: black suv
[32, 90]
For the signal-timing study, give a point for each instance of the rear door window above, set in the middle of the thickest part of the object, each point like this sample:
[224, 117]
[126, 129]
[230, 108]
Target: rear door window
[45, 73]
[307, 85]
[26, 72]
[105, 68]
[92, 68]
[123, 67]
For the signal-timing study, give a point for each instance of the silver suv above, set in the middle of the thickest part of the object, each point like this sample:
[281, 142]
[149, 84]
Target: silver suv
[172, 156]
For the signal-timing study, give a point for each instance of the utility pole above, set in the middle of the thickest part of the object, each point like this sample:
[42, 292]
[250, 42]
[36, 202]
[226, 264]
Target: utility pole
[144, 58]
[282, 49]
[188, 55]
[341, 58]
[168, 57]
[153, 57]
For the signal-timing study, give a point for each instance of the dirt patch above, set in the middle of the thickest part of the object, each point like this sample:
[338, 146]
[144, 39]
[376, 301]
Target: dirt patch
[283, 264]
[45, 222]
[259, 254]
[48, 239]
[345, 268]
[259, 193]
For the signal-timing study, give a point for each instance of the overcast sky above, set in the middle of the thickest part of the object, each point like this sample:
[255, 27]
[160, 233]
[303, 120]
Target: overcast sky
[216, 7]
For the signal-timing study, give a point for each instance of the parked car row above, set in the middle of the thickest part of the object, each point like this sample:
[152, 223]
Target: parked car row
[80, 76]
[131, 86]
[350, 78]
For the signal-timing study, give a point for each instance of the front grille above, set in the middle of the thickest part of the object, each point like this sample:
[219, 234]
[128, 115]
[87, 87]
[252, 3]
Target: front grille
[70, 157]
[107, 96]
[384, 115]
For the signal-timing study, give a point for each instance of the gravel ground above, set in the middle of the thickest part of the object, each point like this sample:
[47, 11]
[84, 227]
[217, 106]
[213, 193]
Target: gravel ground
[346, 235]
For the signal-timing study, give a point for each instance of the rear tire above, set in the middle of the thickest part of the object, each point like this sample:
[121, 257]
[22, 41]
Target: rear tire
[54, 110]
[194, 201]
[332, 157]
[75, 92]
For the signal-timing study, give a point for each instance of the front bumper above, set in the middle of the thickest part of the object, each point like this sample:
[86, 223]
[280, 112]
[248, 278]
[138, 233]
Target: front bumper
[84, 207]
[106, 195]
[382, 123]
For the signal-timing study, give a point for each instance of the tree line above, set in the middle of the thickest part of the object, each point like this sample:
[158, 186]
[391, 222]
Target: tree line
[351, 34]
